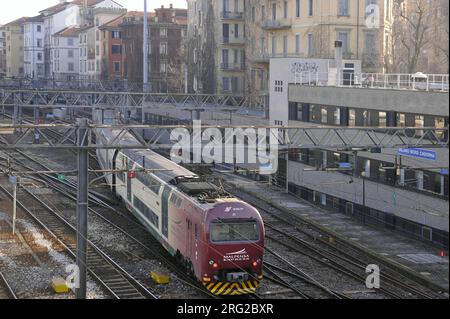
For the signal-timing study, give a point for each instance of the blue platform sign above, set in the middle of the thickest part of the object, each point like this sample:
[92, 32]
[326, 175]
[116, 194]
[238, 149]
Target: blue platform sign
[444, 171]
[345, 165]
[418, 152]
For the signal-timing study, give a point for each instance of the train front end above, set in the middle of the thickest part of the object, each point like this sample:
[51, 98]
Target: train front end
[234, 260]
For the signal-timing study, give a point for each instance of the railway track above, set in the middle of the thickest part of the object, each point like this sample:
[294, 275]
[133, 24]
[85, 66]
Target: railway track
[144, 246]
[341, 257]
[111, 276]
[6, 291]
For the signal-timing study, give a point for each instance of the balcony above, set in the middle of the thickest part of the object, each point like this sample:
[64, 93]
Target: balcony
[232, 67]
[232, 41]
[278, 24]
[231, 15]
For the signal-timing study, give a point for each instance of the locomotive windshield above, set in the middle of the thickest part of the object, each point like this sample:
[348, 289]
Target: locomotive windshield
[242, 231]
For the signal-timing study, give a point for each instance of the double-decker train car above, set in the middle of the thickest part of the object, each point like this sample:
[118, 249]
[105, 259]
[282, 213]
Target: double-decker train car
[219, 238]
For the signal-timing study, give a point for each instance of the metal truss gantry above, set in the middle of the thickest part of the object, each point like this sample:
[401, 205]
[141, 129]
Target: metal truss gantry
[63, 136]
[97, 99]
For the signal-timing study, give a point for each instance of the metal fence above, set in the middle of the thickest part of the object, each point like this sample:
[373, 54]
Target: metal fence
[418, 81]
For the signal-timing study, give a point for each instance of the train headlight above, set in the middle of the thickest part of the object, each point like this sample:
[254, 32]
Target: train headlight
[256, 263]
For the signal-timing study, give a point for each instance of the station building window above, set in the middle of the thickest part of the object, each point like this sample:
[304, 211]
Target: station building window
[324, 115]
[351, 117]
[382, 120]
[401, 121]
[337, 116]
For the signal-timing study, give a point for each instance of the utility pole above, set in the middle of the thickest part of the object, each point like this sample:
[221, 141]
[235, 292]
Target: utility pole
[145, 44]
[82, 205]
[14, 208]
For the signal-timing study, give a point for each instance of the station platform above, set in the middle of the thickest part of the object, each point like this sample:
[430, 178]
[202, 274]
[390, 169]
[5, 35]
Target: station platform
[409, 254]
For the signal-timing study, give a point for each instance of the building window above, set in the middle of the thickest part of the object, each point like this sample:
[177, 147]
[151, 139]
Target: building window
[274, 11]
[310, 8]
[297, 44]
[253, 14]
[324, 115]
[343, 36]
[297, 8]
[439, 123]
[226, 84]
[370, 43]
[70, 67]
[39, 56]
[285, 45]
[39, 43]
[116, 49]
[310, 44]
[299, 112]
[382, 119]
[163, 48]
[419, 122]
[70, 53]
[116, 34]
[343, 8]
[285, 10]
[312, 113]
[351, 118]
[337, 116]
[279, 86]
[163, 32]
[263, 12]
[116, 66]
[163, 67]
[39, 28]
[401, 122]
[274, 46]
[70, 41]
[236, 30]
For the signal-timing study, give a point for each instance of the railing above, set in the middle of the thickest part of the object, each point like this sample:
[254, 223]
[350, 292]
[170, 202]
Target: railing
[232, 40]
[232, 66]
[234, 15]
[276, 24]
[429, 82]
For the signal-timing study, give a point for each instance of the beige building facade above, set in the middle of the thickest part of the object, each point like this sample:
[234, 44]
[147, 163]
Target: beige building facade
[309, 29]
[216, 46]
[14, 32]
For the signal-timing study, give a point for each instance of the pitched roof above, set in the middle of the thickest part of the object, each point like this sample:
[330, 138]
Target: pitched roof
[69, 32]
[17, 21]
[38, 18]
[56, 8]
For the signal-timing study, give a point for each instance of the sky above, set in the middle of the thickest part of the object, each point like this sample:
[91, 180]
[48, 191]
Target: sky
[14, 9]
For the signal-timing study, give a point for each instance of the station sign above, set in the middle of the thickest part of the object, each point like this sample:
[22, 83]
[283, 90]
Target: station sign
[444, 171]
[345, 165]
[418, 153]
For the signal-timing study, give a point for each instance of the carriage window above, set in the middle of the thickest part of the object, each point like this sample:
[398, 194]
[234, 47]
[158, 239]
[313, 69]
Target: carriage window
[149, 181]
[222, 231]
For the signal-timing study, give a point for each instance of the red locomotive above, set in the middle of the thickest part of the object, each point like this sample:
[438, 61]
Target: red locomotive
[219, 238]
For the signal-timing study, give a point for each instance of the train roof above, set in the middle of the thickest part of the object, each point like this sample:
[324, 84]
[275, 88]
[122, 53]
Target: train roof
[150, 159]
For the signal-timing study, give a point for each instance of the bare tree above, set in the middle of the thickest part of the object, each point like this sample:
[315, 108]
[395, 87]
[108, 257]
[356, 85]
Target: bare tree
[419, 33]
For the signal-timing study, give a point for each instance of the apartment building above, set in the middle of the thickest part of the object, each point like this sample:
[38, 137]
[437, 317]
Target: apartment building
[2, 52]
[112, 58]
[216, 46]
[66, 54]
[14, 48]
[166, 39]
[91, 42]
[309, 28]
[33, 47]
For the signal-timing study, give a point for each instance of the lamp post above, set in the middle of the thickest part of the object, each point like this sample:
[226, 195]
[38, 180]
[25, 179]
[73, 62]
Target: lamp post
[145, 50]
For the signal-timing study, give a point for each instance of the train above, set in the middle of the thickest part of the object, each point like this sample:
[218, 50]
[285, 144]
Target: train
[216, 236]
